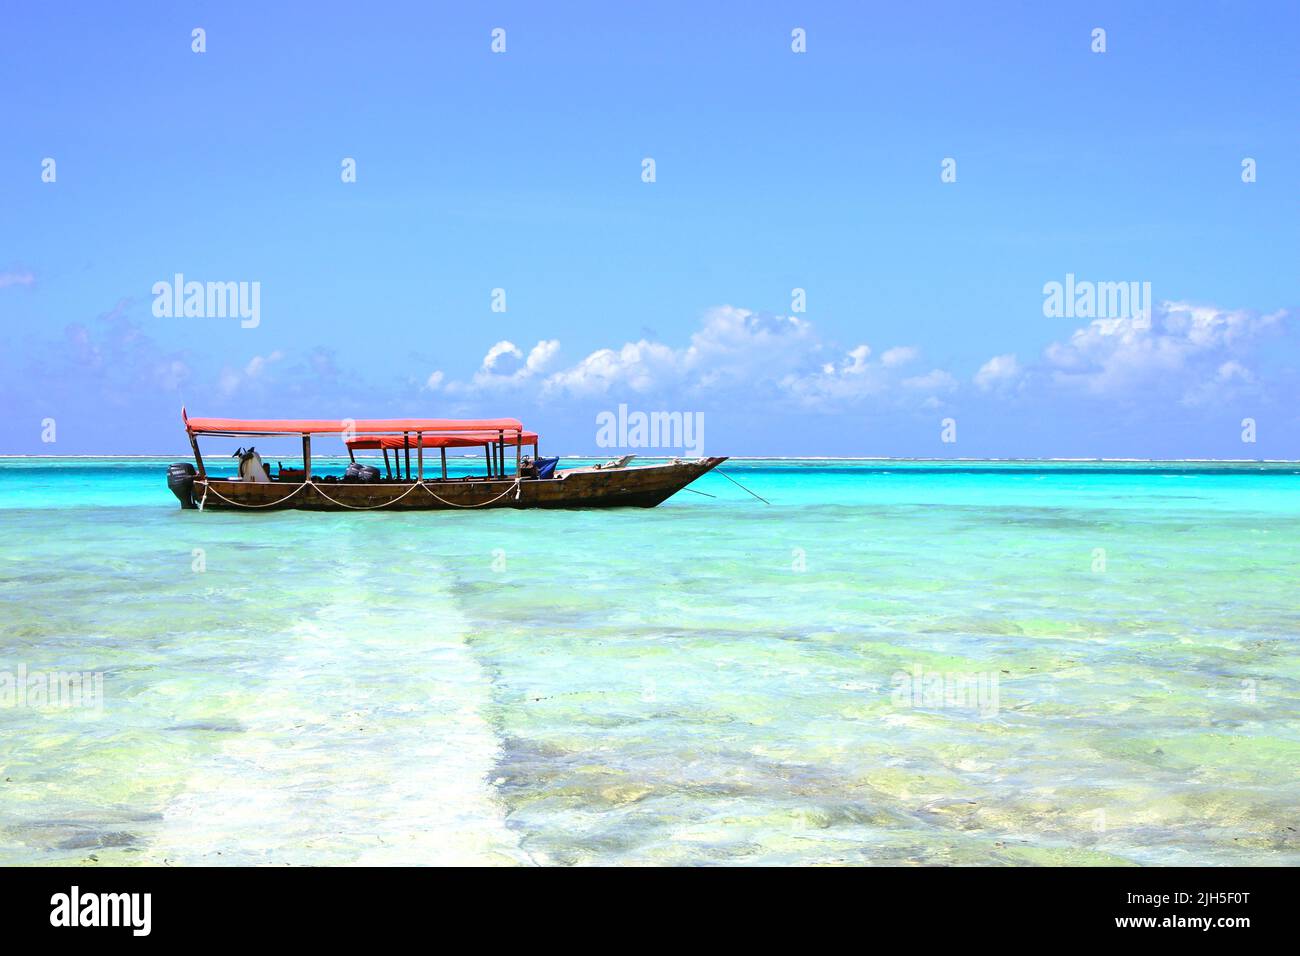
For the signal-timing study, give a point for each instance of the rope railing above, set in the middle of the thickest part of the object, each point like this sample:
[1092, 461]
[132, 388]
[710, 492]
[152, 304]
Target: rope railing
[515, 487]
[451, 504]
[341, 504]
[207, 486]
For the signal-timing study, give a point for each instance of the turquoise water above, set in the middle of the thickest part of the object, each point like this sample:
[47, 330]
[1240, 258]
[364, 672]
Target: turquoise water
[890, 663]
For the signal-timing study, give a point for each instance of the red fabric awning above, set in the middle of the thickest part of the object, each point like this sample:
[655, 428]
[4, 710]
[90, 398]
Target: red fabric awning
[428, 441]
[275, 426]
[525, 438]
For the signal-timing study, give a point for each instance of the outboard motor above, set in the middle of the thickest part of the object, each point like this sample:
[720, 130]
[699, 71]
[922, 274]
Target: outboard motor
[363, 473]
[180, 479]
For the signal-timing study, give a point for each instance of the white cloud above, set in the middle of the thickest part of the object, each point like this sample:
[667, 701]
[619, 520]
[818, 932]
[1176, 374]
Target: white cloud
[1180, 350]
[541, 356]
[997, 372]
[735, 355]
[1201, 353]
[857, 378]
[228, 381]
[504, 366]
[16, 278]
[258, 363]
[504, 347]
[935, 380]
[1234, 371]
[231, 380]
[1230, 380]
[171, 373]
[733, 348]
[899, 356]
[638, 366]
[433, 381]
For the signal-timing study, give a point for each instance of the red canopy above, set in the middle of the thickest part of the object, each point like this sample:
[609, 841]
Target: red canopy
[466, 440]
[275, 426]
[399, 441]
[482, 438]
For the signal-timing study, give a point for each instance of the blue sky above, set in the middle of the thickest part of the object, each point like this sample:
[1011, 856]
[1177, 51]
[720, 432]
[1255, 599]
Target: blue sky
[774, 170]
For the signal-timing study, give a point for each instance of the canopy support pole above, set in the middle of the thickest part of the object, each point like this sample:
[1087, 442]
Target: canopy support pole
[387, 467]
[444, 464]
[487, 456]
[198, 459]
[519, 450]
[419, 454]
[406, 442]
[306, 456]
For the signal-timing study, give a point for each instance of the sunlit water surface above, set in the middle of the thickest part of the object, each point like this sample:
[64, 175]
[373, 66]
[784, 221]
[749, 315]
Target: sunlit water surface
[712, 681]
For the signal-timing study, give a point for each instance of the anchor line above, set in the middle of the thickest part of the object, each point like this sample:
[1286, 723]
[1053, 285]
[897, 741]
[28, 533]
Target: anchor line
[740, 486]
[694, 492]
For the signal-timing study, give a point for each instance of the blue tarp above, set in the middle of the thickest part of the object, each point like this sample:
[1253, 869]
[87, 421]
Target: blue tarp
[546, 467]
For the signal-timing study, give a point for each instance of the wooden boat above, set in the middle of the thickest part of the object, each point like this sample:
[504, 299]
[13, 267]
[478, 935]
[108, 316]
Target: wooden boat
[525, 482]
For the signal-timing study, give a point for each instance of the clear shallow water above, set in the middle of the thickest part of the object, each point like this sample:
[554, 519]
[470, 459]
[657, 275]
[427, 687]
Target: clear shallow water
[714, 680]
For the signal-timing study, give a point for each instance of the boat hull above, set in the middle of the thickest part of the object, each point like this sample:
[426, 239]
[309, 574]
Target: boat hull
[633, 487]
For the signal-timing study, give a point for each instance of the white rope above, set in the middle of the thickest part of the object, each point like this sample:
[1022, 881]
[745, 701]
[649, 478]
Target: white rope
[239, 504]
[367, 507]
[207, 486]
[451, 504]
